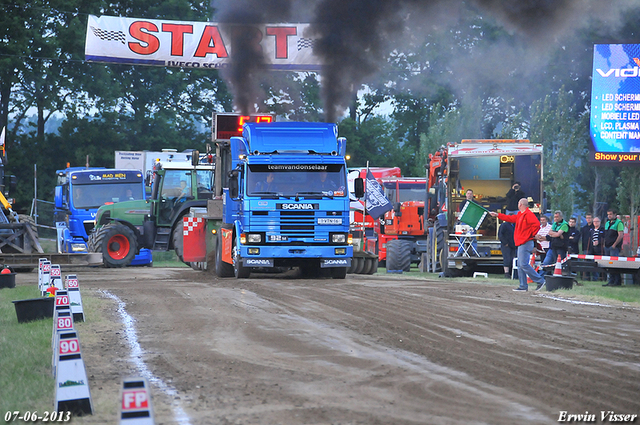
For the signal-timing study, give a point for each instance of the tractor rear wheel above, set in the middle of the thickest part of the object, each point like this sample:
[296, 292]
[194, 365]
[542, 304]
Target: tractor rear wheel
[116, 242]
[440, 246]
[399, 255]
[177, 237]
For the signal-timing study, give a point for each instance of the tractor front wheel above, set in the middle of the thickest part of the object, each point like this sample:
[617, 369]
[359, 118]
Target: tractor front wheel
[116, 242]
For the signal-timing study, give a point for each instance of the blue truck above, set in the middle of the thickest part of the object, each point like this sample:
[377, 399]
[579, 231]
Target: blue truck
[284, 202]
[78, 195]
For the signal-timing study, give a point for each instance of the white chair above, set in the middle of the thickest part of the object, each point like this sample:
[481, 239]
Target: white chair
[514, 267]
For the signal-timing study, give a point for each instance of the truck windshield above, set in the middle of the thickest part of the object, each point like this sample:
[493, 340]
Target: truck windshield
[301, 179]
[405, 192]
[95, 195]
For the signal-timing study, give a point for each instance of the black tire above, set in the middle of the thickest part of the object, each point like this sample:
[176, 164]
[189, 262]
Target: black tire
[399, 255]
[222, 269]
[441, 252]
[199, 266]
[359, 265]
[239, 271]
[116, 242]
[366, 266]
[177, 238]
[352, 267]
[373, 266]
[338, 272]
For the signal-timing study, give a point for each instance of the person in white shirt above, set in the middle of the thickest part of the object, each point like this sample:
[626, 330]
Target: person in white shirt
[544, 230]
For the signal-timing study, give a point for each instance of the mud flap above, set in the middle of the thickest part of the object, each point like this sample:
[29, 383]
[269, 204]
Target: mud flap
[227, 245]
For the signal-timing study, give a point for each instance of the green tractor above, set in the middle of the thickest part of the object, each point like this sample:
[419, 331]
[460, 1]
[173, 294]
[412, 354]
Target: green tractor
[123, 228]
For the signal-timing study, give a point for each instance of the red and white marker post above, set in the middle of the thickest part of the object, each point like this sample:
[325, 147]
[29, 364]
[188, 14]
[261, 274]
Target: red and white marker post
[135, 408]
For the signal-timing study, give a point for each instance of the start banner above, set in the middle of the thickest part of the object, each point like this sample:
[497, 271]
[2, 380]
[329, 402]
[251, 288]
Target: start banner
[286, 47]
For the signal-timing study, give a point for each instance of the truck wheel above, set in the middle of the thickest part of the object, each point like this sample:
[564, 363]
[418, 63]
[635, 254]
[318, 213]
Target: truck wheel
[399, 255]
[372, 266]
[222, 269]
[338, 272]
[359, 265]
[240, 271]
[116, 242]
[352, 267]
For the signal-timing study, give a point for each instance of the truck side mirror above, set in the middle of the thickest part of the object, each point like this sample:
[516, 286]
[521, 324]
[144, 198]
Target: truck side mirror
[358, 186]
[58, 197]
[195, 158]
[396, 209]
[233, 184]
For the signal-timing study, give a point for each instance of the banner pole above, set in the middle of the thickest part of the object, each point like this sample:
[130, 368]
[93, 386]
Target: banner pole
[364, 214]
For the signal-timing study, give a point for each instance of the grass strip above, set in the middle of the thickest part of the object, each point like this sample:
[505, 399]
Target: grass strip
[586, 290]
[26, 382]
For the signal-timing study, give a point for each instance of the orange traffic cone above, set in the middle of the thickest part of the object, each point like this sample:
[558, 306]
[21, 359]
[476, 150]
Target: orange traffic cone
[533, 263]
[558, 270]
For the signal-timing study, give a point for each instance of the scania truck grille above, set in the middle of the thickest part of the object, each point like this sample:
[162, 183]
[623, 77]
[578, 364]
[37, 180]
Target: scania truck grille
[297, 224]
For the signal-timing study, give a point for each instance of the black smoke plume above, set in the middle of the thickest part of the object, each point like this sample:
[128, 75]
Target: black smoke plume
[354, 37]
[247, 59]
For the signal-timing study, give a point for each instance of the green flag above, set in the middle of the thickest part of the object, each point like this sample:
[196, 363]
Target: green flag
[472, 214]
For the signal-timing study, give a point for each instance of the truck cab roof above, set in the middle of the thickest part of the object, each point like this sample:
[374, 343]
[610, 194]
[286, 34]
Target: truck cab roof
[285, 137]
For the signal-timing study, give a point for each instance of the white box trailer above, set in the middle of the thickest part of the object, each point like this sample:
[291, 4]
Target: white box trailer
[489, 167]
[145, 160]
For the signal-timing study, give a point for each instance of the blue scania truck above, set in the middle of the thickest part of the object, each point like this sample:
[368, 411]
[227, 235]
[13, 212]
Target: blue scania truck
[80, 192]
[285, 201]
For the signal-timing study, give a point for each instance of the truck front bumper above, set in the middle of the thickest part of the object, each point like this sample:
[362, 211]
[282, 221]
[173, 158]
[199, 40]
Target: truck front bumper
[293, 256]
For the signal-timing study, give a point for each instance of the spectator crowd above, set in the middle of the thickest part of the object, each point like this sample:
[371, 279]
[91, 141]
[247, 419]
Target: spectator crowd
[558, 238]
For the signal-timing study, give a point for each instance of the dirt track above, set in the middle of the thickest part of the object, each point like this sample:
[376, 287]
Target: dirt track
[366, 350]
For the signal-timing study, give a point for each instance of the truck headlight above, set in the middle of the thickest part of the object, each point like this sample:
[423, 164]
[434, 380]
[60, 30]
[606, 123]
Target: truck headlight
[78, 247]
[338, 238]
[254, 237]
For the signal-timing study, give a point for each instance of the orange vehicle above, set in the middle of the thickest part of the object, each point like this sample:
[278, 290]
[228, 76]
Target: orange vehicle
[403, 232]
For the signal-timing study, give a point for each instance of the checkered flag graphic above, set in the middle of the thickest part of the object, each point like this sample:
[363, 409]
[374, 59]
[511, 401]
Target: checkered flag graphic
[305, 43]
[109, 35]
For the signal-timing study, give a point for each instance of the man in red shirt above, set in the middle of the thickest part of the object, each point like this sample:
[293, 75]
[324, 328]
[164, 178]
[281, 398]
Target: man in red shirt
[527, 226]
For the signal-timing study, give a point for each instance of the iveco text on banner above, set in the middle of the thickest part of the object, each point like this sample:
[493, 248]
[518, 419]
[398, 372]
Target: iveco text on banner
[287, 47]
